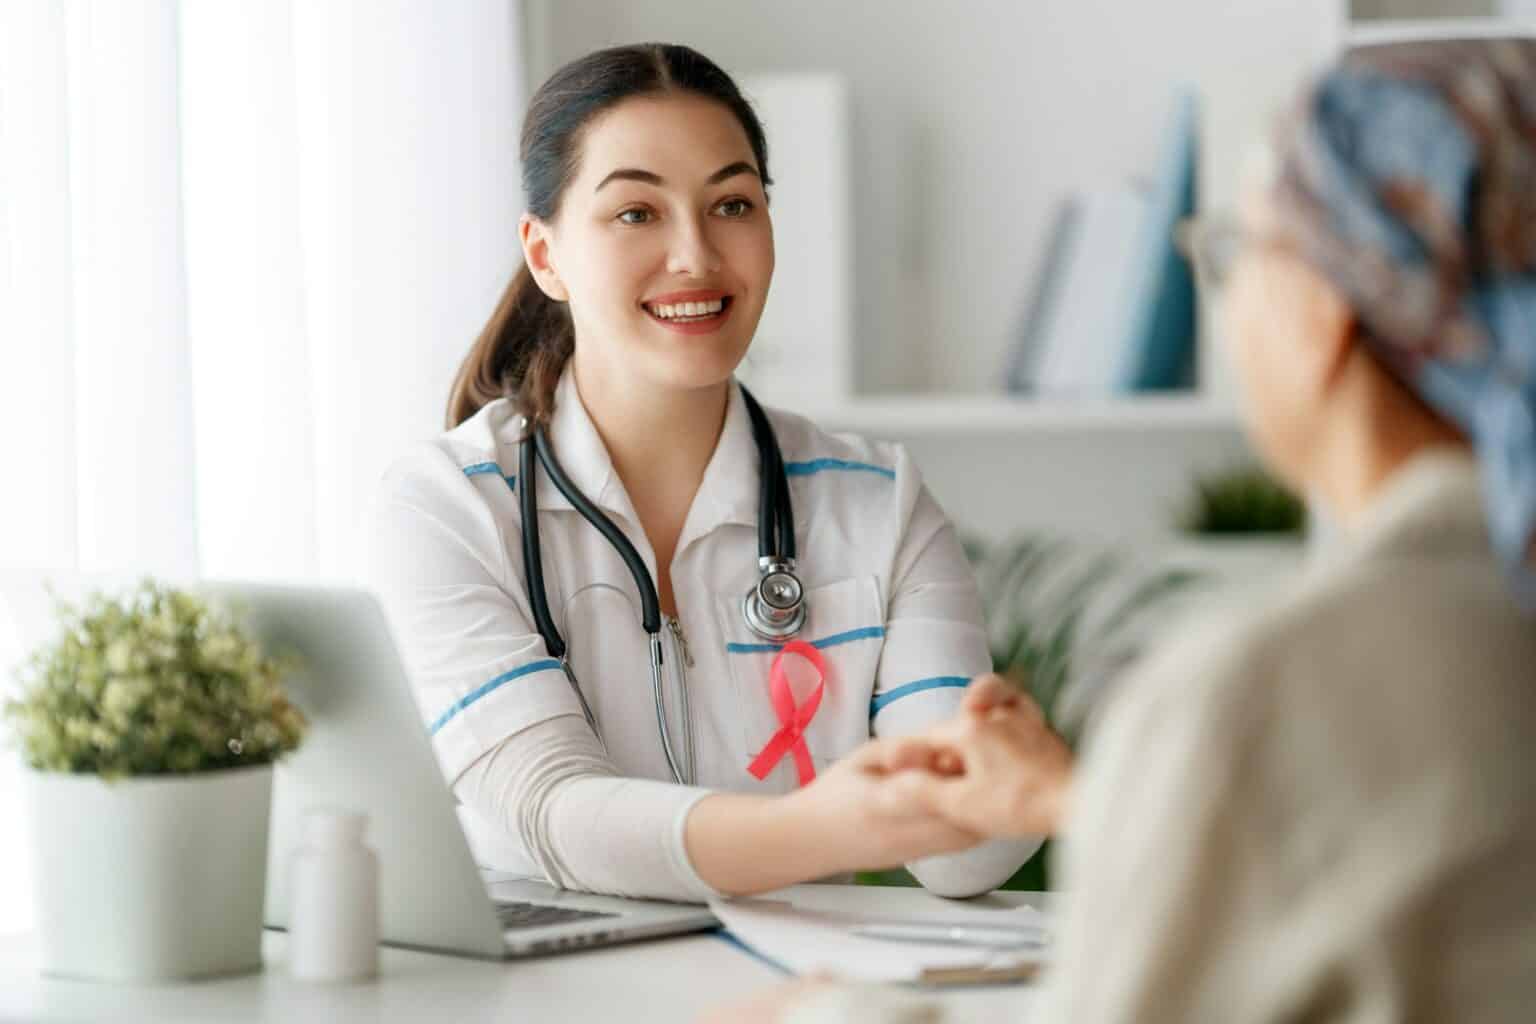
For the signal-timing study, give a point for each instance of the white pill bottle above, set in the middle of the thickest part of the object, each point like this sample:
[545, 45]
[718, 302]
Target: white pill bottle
[333, 926]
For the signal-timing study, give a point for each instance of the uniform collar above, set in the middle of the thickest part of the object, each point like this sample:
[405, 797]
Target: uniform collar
[727, 493]
[581, 453]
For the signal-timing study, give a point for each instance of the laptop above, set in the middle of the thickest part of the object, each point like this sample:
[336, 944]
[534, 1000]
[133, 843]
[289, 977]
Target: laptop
[367, 750]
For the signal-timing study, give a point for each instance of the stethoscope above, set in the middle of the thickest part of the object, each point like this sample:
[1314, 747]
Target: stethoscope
[774, 609]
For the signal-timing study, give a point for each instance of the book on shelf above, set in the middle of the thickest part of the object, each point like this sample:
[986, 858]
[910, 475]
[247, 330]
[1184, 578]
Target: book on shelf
[1040, 309]
[1079, 325]
[1113, 308]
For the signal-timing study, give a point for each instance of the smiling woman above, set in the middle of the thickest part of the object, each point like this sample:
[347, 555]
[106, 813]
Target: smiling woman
[605, 194]
[648, 253]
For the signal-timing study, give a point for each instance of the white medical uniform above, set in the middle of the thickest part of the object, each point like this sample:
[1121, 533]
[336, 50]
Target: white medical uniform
[892, 605]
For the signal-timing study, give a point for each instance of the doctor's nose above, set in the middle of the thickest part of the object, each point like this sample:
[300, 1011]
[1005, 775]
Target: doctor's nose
[691, 253]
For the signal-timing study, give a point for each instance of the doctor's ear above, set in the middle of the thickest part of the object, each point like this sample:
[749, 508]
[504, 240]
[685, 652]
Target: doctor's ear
[535, 236]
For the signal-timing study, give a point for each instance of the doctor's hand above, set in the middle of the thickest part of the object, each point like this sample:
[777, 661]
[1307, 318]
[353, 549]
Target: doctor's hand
[869, 815]
[995, 768]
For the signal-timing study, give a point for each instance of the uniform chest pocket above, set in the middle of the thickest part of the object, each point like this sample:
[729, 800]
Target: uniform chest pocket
[845, 620]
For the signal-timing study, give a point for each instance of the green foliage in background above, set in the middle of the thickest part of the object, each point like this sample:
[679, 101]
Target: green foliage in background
[1049, 601]
[1243, 499]
[154, 682]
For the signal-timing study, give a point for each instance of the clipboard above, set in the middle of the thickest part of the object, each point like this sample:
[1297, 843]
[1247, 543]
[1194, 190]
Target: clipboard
[801, 940]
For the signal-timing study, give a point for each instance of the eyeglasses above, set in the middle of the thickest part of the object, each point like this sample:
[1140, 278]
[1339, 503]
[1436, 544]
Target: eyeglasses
[1212, 243]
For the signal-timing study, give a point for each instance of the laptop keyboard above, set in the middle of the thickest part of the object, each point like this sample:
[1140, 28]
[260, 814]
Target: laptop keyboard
[514, 915]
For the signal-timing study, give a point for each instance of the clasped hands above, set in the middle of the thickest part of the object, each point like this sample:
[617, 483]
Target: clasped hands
[994, 769]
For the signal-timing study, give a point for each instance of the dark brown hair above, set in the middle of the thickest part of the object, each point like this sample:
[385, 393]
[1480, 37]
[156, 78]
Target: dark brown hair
[523, 349]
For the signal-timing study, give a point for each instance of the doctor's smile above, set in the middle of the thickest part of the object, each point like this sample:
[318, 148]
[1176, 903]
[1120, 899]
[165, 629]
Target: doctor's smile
[689, 312]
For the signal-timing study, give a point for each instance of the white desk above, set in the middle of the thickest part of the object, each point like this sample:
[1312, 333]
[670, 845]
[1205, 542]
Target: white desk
[663, 980]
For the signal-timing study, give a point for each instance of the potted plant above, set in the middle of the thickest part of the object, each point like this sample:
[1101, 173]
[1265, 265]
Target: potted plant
[149, 728]
[1241, 525]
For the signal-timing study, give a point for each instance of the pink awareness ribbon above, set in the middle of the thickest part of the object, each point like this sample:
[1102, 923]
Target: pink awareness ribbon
[793, 720]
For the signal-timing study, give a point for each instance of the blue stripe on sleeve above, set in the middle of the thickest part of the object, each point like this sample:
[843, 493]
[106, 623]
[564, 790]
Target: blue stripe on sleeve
[863, 633]
[817, 465]
[908, 689]
[474, 695]
[491, 467]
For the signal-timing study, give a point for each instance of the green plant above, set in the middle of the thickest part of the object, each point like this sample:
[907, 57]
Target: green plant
[1058, 610]
[1242, 499]
[154, 682]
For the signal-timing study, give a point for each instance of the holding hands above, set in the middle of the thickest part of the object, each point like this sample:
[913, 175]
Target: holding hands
[995, 769]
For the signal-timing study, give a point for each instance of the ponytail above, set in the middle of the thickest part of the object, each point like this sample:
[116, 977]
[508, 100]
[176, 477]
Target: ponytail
[519, 355]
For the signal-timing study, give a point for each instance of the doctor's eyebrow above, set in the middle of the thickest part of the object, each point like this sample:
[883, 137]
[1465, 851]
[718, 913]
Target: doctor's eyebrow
[651, 178]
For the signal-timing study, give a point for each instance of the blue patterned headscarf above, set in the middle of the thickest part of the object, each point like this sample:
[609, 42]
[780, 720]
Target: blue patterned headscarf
[1408, 178]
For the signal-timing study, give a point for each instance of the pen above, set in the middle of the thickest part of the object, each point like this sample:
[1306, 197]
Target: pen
[985, 935]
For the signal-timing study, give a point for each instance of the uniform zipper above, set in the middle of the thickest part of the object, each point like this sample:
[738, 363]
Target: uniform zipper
[682, 641]
[684, 661]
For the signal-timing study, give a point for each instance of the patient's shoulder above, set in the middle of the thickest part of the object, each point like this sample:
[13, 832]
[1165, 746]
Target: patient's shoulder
[1383, 685]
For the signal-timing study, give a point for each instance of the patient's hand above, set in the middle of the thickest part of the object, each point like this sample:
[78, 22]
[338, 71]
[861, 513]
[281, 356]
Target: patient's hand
[996, 768]
[822, 998]
[866, 815]
[770, 1005]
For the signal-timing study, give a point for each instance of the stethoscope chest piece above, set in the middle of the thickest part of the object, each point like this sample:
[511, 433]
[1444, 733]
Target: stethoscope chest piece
[775, 607]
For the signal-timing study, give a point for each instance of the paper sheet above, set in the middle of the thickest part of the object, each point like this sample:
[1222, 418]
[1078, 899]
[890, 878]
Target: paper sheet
[807, 939]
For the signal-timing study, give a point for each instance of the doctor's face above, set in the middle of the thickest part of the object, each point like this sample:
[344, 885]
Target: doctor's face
[662, 242]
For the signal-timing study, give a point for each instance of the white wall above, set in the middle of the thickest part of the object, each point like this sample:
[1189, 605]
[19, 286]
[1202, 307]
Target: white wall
[1124, 486]
[969, 120]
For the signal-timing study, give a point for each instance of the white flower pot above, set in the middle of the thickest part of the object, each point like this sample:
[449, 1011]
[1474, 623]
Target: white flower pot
[151, 878]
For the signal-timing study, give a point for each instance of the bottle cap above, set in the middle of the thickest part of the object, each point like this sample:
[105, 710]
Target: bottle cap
[333, 825]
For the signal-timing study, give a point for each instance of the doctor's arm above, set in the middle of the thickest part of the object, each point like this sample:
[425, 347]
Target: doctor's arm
[935, 644]
[505, 724]
[512, 742]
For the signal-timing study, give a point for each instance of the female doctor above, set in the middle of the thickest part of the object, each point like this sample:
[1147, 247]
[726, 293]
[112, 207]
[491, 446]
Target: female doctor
[646, 618]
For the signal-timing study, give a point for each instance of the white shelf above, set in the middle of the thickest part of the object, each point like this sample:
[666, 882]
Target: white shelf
[1399, 30]
[922, 415]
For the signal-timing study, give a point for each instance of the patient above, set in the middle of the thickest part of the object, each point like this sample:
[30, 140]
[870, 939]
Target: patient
[1325, 808]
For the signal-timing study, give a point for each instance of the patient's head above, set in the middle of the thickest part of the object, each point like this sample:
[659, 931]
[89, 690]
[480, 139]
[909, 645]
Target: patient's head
[1383, 299]
[1313, 382]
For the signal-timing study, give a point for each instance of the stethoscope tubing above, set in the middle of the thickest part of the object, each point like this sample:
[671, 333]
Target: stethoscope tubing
[775, 514]
[776, 545]
[537, 447]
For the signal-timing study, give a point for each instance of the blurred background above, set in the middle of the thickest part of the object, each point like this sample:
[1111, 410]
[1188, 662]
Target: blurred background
[245, 243]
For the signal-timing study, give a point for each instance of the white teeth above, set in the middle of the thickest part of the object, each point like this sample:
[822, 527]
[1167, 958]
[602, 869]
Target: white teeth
[683, 310]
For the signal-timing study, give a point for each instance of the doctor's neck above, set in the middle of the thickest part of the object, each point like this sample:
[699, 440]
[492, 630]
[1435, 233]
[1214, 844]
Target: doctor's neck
[654, 439]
